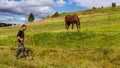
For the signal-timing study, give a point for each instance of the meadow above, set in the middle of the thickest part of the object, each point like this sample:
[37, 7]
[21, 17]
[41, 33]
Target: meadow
[95, 46]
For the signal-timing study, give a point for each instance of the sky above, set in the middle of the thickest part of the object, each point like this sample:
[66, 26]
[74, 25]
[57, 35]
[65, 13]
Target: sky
[17, 11]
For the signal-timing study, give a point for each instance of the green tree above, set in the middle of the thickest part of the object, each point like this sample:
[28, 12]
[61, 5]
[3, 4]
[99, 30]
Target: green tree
[48, 16]
[113, 4]
[56, 14]
[31, 18]
[102, 7]
[94, 7]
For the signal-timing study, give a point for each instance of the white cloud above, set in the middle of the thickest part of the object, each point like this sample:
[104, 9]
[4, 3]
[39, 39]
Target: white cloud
[60, 2]
[7, 19]
[24, 7]
[39, 8]
[95, 3]
[22, 19]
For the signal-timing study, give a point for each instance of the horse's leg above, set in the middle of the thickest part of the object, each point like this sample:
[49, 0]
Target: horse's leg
[68, 27]
[72, 26]
[78, 27]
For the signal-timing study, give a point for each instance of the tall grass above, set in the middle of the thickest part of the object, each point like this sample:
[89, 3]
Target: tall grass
[96, 46]
[81, 57]
[67, 40]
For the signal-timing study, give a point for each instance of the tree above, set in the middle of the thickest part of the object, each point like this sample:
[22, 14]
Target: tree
[4, 24]
[31, 18]
[48, 16]
[56, 14]
[113, 4]
[102, 7]
[94, 7]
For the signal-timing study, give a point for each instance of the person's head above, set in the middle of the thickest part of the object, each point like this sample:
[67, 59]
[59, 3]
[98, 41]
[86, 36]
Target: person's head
[23, 27]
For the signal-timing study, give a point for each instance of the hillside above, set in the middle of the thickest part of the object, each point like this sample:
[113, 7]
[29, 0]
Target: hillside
[96, 46]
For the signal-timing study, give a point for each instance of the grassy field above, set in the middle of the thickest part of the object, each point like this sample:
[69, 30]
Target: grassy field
[96, 46]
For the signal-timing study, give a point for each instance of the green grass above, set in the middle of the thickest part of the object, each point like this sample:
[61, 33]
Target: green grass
[96, 46]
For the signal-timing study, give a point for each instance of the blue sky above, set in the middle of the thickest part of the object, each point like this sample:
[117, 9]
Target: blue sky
[17, 11]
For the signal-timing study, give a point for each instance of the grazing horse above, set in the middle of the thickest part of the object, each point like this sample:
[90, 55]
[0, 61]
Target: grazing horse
[74, 19]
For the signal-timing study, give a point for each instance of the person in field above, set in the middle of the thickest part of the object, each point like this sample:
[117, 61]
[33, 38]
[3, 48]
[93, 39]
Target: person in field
[21, 39]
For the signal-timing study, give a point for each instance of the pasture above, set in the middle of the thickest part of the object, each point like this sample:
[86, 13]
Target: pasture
[96, 46]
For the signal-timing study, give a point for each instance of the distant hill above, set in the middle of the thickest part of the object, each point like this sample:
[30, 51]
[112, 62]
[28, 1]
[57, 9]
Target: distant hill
[90, 13]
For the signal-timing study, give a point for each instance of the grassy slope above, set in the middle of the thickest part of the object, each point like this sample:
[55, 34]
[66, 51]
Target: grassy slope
[96, 46]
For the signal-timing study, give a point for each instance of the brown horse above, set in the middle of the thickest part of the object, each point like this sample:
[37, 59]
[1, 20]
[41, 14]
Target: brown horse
[74, 19]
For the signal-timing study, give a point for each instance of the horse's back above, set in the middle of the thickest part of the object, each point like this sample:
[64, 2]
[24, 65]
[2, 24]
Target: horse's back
[75, 17]
[68, 18]
[72, 19]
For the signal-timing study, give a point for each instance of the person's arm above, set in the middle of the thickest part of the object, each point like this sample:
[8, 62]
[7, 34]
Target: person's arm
[18, 36]
[21, 39]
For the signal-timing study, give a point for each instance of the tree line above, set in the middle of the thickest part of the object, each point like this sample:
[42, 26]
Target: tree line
[113, 6]
[5, 25]
[31, 17]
